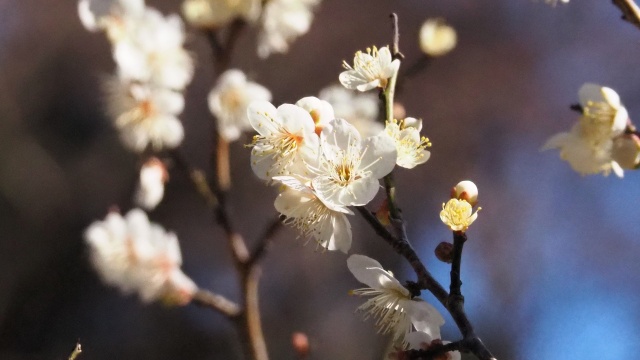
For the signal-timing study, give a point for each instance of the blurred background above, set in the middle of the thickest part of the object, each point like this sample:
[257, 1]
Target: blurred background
[550, 269]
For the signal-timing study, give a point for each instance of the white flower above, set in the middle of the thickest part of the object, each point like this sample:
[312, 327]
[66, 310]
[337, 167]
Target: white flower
[359, 109]
[282, 22]
[146, 116]
[419, 340]
[458, 214]
[392, 306]
[150, 191]
[370, 70]
[410, 146]
[328, 225]
[217, 13]
[138, 256]
[321, 111]
[286, 139]
[229, 101]
[152, 51]
[588, 146]
[437, 38]
[349, 168]
[109, 15]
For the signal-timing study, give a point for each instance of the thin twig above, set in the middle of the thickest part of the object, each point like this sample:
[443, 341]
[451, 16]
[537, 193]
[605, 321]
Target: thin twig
[197, 177]
[265, 241]
[630, 11]
[216, 302]
[76, 352]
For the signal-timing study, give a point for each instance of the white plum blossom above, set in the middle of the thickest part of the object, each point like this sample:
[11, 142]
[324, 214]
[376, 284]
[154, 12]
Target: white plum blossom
[321, 111]
[391, 304]
[139, 257]
[326, 224]
[410, 145]
[109, 15]
[152, 51]
[229, 101]
[146, 116]
[359, 109]
[458, 214]
[437, 38]
[218, 13]
[150, 190]
[588, 146]
[286, 140]
[282, 22]
[349, 168]
[370, 70]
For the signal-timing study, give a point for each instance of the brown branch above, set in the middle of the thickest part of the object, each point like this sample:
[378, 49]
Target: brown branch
[197, 177]
[630, 11]
[217, 302]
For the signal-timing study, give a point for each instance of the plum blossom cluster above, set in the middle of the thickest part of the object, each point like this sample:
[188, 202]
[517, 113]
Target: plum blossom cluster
[138, 256]
[153, 68]
[324, 164]
[412, 322]
[280, 22]
[602, 140]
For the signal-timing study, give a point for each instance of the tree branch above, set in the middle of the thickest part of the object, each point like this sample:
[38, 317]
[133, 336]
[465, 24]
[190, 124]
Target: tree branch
[217, 302]
[630, 11]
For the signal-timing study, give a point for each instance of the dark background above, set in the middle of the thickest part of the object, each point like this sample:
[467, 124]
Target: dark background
[551, 266]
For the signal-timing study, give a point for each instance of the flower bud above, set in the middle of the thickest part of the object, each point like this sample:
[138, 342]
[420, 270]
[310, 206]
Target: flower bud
[300, 343]
[466, 190]
[444, 252]
[626, 151]
[437, 38]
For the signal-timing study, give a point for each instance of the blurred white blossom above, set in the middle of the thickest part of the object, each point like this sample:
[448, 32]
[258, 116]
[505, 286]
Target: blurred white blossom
[350, 167]
[370, 70]
[109, 15]
[229, 101]
[146, 115]
[410, 145]
[218, 13]
[282, 22]
[391, 304]
[326, 223]
[437, 38]
[139, 257]
[150, 190]
[359, 109]
[588, 146]
[152, 51]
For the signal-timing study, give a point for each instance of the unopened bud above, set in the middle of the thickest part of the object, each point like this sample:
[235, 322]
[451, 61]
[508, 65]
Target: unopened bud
[626, 151]
[300, 343]
[437, 38]
[444, 252]
[466, 190]
[383, 213]
[399, 112]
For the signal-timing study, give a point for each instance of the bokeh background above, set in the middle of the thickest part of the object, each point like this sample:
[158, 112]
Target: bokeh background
[551, 266]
